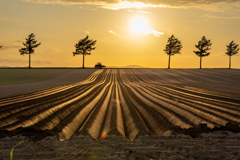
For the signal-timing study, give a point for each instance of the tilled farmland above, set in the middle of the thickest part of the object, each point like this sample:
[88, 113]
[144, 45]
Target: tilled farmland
[67, 77]
[126, 102]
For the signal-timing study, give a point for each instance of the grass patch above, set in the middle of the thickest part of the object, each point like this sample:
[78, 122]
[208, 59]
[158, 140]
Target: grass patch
[11, 76]
[11, 153]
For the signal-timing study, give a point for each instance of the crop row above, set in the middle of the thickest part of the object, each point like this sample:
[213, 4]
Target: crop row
[118, 101]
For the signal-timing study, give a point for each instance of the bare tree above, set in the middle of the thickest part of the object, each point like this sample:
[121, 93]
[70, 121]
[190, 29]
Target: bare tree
[173, 46]
[30, 44]
[232, 49]
[203, 46]
[84, 47]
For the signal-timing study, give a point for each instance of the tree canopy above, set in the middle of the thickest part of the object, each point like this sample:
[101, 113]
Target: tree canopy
[84, 47]
[203, 46]
[232, 48]
[30, 44]
[173, 47]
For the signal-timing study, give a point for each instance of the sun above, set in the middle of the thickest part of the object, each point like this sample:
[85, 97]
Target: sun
[138, 25]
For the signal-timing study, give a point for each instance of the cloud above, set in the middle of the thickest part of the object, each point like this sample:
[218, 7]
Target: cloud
[19, 41]
[10, 60]
[118, 4]
[41, 62]
[139, 11]
[140, 26]
[6, 19]
[112, 32]
[54, 50]
[130, 5]
[19, 60]
[144, 12]
[154, 32]
[11, 45]
[2, 18]
[207, 16]
[7, 47]
[49, 50]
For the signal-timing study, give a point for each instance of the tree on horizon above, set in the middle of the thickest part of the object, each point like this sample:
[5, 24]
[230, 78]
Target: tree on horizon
[84, 47]
[173, 47]
[30, 44]
[0, 46]
[232, 49]
[203, 46]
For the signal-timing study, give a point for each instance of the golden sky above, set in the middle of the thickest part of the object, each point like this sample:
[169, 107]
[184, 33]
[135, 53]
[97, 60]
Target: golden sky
[127, 32]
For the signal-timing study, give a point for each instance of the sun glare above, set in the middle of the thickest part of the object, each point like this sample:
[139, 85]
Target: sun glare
[138, 25]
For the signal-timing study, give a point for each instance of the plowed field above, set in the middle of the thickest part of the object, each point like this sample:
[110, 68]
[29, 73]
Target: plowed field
[125, 102]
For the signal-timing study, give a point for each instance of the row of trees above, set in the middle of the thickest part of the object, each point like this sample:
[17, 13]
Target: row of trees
[173, 46]
[83, 47]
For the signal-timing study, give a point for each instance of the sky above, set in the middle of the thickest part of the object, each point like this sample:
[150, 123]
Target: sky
[127, 32]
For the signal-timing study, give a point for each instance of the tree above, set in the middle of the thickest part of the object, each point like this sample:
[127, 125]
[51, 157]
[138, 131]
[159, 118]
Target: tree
[232, 49]
[30, 44]
[84, 47]
[173, 46]
[203, 46]
[0, 46]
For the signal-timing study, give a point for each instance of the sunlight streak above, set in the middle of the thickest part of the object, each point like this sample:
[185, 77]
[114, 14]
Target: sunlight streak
[126, 4]
[140, 26]
[154, 32]
[112, 32]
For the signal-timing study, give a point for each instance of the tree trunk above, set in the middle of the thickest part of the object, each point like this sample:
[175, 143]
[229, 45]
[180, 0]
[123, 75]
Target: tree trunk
[29, 60]
[229, 62]
[83, 61]
[200, 62]
[169, 62]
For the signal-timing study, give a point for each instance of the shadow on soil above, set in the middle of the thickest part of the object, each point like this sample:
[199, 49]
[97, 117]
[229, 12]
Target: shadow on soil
[37, 135]
[33, 135]
[202, 128]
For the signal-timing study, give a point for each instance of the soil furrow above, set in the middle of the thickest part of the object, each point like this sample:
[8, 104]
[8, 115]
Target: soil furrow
[127, 102]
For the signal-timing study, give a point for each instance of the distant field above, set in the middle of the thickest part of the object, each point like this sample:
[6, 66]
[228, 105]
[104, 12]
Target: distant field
[11, 76]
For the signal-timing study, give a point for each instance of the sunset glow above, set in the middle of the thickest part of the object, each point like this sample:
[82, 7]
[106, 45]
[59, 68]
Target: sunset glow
[127, 32]
[139, 25]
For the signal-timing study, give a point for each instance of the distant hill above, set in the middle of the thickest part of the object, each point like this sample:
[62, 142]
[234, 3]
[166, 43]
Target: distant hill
[134, 66]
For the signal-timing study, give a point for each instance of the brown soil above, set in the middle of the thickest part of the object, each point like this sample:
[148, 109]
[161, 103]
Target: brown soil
[159, 112]
[65, 78]
[222, 145]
